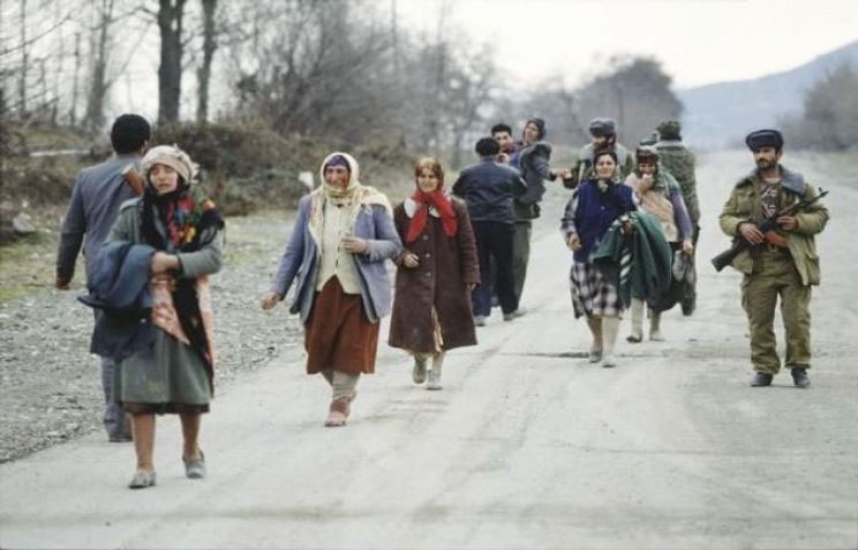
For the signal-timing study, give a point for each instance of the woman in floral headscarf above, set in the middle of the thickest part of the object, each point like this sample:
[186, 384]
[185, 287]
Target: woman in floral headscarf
[335, 257]
[175, 373]
[437, 271]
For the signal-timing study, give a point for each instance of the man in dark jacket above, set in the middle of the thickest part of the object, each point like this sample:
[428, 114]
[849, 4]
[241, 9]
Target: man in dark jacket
[488, 188]
[96, 197]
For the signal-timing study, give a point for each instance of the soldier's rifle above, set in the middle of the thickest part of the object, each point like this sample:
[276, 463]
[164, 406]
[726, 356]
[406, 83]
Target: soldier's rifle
[725, 258]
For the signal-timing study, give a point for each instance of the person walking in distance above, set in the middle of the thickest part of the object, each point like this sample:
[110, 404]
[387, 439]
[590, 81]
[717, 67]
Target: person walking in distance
[96, 197]
[603, 137]
[660, 196]
[531, 159]
[678, 160]
[782, 263]
[335, 256]
[438, 269]
[488, 189]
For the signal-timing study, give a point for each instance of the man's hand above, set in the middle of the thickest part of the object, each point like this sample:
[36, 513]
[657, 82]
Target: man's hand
[787, 223]
[687, 247]
[750, 233]
[62, 283]
[269, 300]
[355, 245]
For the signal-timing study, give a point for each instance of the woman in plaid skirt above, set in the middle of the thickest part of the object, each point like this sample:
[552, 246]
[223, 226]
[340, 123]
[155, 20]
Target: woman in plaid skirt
[594, 206]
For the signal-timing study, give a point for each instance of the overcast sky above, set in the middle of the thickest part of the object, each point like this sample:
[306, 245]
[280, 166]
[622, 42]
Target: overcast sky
[698, 41]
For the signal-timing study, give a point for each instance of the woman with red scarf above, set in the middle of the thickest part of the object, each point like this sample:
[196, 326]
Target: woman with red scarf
[438, 268]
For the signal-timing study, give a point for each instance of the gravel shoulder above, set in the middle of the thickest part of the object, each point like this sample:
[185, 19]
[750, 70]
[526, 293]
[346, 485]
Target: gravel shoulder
[50, 388]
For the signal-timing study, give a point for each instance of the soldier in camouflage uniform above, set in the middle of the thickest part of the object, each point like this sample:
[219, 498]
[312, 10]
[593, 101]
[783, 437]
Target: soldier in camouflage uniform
[603, 136]
[678, 159]
[779, 263]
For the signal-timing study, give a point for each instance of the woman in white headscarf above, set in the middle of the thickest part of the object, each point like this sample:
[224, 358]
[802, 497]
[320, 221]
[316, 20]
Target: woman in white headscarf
[335, 255]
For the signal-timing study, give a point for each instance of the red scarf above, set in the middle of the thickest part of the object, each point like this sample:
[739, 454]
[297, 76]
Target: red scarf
[442, 204]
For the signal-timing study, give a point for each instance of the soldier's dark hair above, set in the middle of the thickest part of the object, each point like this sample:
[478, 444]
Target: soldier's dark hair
[129, 133]
[487, 147]
[501, 127]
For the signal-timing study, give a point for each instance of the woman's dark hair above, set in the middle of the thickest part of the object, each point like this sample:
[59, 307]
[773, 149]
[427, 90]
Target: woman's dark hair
[604, 152]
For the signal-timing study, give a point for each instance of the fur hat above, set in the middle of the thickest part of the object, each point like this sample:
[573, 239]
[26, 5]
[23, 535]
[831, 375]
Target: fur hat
[175, 158]
[600, 127]
[764, 138]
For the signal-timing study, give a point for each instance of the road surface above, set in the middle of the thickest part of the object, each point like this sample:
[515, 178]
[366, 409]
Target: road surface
[528, 446]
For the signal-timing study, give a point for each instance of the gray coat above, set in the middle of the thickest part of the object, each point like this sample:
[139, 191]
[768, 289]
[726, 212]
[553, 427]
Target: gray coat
[168, 371]
[97, 195]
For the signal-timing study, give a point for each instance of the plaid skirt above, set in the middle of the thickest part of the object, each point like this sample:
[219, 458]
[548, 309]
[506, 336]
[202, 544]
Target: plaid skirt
[592, 294]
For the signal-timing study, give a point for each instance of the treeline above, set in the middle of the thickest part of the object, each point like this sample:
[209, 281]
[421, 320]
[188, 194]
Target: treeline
[829, 121]
[340, 72]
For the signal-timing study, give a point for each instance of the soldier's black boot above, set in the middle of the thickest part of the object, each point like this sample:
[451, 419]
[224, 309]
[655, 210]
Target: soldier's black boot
[761, 379]
[800, 378]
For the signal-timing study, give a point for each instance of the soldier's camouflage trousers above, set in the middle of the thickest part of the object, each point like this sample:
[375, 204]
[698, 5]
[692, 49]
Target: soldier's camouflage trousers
[760, 292]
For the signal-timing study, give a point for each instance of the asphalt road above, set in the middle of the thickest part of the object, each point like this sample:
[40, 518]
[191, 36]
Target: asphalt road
[528, 445]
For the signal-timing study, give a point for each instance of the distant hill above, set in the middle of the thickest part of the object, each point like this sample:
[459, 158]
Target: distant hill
[719, 115]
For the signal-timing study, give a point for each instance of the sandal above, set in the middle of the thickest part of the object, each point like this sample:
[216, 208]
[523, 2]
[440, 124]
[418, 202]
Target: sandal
[142, 479]
[196, 468]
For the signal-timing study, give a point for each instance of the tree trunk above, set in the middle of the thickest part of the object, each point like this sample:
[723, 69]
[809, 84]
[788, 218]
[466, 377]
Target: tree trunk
[25, 62]
[98, 83]
[170, 69]
[205, 71]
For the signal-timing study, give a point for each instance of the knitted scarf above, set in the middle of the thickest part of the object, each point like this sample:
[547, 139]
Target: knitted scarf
[442, 205]
[175, 222]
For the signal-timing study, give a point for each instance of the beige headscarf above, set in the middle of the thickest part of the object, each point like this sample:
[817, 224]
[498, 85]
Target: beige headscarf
[175, 158]
[355, 196]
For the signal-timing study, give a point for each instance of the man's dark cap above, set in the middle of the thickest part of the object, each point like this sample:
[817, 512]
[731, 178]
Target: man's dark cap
[764, 138]
[669, 129]
[603, 127]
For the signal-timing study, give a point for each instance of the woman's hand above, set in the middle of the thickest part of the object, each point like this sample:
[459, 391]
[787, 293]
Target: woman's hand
[471, 286]
[354, 245]
[645, 183]
[687, 247]
[410, 259]
[574, 243]
[270, 300]
[163, 262]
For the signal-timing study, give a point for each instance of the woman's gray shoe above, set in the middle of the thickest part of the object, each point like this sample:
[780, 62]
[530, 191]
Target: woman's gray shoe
[195, 469]
[142, 479]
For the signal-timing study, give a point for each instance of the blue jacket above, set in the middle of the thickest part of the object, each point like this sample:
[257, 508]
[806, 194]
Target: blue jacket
[590, 213]
[488, 189]
[120, 288]
[300, 261]
[96, 197]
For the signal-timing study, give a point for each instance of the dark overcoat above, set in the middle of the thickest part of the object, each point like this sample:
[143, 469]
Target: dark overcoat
[447, 265]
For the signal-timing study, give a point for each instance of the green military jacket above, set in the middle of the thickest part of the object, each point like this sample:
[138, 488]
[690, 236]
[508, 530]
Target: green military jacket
[677, 159]
[745, 205]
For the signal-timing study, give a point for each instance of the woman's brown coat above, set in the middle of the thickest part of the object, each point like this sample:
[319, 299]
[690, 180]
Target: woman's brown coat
[447, 265]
